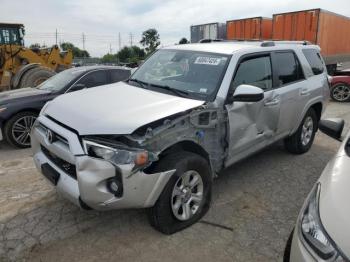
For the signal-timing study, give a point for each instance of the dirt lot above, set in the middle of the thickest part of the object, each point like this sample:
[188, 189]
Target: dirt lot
[255, 204]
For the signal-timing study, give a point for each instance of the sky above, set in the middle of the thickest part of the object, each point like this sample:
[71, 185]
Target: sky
[101, 21]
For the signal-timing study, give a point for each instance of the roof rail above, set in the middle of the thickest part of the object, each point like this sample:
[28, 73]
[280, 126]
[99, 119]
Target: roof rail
[207, 40]
[274, 42]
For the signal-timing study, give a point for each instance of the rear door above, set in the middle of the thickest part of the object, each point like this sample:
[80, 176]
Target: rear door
[117, 75]
[94, 78]
[291, 84]
[252, 125]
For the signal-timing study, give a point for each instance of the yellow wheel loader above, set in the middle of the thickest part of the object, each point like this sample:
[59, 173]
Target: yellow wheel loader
[24, 67]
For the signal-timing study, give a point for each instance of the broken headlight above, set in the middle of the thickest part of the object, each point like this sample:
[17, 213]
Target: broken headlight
[312, 232]
[119, 154]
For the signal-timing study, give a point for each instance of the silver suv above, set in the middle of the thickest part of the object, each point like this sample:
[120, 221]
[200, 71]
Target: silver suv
[157, 140]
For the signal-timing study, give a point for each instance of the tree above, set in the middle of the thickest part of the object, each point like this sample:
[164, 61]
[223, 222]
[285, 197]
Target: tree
[77, 52]
[184, 41]
[150, 40]
[127, 54]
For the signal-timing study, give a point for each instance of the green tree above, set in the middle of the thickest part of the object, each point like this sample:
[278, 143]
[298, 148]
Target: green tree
[150, 40]
[77, 52]
[184, 41]
[109, 58]
[131, 54]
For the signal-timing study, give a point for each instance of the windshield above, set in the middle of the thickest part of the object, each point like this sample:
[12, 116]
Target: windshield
[196, 74]
[60, 81]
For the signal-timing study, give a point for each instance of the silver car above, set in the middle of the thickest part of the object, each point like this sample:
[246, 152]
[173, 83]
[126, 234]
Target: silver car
[157, 140]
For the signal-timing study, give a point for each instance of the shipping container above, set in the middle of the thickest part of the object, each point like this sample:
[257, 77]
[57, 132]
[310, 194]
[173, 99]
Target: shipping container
[256, 28]
[208, 31]
[329, 30]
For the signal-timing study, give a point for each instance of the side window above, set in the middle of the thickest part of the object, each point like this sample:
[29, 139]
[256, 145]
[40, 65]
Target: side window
[254, 71]
[119, 75]
[288, 67]
[96, 78]
[315, 60]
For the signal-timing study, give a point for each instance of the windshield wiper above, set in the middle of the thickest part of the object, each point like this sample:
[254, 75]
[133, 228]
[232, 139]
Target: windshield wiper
[141, 83]
[173, 90]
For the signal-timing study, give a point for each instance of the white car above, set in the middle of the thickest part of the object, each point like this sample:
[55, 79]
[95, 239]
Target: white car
[322, 232]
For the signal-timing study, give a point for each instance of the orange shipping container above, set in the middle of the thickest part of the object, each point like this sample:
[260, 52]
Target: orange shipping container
[256, 28]
[328, 30]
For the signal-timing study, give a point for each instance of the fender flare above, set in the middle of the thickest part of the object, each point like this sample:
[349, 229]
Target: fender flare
[311, 103]
[18, 76]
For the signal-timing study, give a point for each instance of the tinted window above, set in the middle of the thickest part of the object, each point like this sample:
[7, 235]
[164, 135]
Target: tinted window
[96, 78]
[119, 75]
[315, 60]
[256, 72]
[288, 67]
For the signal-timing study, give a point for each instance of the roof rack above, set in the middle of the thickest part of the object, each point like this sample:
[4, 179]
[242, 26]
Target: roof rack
[273, 43]
[207, 40]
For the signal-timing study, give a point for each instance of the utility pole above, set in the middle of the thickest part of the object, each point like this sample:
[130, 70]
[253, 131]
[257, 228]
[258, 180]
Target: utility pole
[119, 41]
[110, 48]
[131, 36]
[56, 36]
[83, 41]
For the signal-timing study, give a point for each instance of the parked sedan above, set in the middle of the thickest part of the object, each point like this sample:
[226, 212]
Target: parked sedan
[340, 88]
[19, 108]
[323, 228]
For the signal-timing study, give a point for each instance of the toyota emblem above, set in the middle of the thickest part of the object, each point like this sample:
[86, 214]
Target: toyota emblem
[49, 136]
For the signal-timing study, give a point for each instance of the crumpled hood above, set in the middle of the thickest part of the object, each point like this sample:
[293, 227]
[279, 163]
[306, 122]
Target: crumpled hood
[334, 199]
[115, 109]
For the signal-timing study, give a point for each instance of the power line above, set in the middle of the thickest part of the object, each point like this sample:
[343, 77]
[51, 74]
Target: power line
[83, 41]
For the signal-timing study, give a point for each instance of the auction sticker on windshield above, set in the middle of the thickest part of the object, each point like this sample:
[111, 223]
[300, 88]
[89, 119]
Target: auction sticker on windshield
[202, 60]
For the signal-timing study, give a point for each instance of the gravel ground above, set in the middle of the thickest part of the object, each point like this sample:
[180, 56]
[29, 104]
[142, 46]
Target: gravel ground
[254, 208]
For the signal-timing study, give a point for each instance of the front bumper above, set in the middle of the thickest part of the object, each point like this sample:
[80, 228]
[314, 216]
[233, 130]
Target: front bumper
[90, 183]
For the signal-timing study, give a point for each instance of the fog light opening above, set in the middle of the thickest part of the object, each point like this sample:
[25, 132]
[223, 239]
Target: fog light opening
[115, 187]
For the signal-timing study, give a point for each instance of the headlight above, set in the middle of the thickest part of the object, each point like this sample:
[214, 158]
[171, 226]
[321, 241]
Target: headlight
[119, 154]
[2, 109]
[312, 232]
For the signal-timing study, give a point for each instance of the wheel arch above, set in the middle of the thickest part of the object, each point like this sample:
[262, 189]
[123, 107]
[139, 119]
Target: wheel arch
[30, 109]
[184, 145]
[317, 105]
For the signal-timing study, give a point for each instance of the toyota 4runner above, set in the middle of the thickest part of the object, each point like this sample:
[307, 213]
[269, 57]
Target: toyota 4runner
[157, 140]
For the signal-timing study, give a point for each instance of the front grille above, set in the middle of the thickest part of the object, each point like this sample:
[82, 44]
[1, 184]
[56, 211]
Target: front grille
[66, 167]
[56, 136]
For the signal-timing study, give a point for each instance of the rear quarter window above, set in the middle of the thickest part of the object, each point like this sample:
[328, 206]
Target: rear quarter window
[315, 61]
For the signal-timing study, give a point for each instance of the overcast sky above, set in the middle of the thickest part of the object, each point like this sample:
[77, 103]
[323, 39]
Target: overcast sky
[102, 20]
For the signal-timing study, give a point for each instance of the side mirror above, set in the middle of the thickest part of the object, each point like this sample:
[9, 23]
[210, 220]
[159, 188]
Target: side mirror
[77, 87]
[247, 93]
[332, 127]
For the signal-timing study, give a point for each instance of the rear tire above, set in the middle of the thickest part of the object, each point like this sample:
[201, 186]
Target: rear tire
[301, 141]
[36, 76]
[340, 92]
[17, 129]
[186, 197]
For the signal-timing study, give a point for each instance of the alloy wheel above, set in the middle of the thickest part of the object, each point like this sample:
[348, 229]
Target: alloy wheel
[307, 131]
[341, 92]
[187, 196]
[21, 130]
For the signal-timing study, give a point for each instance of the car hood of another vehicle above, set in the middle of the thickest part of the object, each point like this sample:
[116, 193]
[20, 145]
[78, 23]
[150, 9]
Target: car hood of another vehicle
[334, 199]
[20, 95]
[117, 108]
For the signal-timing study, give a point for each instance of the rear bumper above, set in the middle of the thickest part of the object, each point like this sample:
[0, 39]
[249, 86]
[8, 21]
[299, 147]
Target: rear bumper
[92, 175]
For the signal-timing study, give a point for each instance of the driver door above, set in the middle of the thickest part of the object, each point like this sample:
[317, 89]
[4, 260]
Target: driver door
[252, 125]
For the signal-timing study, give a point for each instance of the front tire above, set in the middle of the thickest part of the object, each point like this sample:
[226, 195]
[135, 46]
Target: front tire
[186, 197]
[340, 92]
[301, 141]
[17, 129]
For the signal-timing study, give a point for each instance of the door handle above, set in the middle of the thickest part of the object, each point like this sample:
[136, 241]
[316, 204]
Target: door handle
[305, 92]
[272, 102]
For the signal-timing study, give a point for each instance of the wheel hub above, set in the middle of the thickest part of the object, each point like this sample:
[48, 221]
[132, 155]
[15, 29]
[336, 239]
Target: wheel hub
[187, 196]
